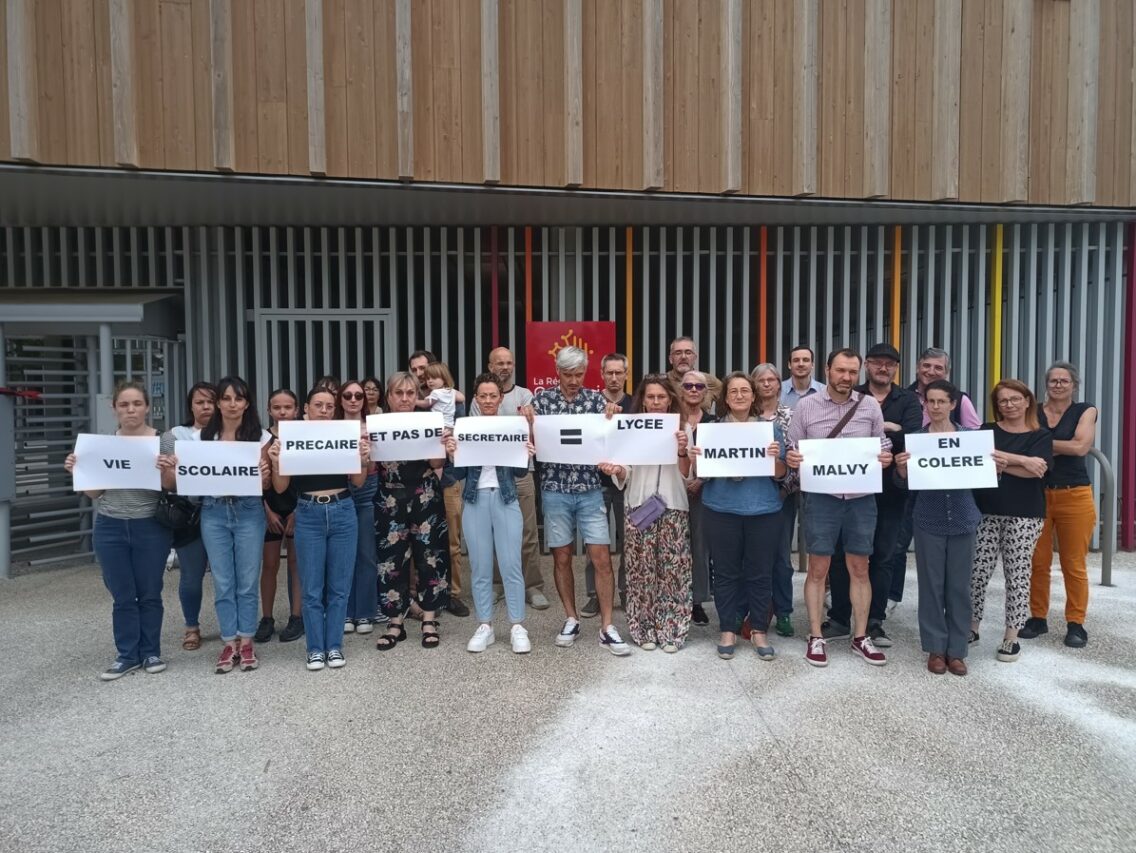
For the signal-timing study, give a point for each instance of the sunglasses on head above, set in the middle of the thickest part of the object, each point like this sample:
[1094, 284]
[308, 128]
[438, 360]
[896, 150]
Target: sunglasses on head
[694, 386]
[353, 395]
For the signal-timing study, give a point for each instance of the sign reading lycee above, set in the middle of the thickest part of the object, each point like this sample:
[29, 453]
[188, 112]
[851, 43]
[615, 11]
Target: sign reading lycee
[958, 460]
[591, 439]
[319, 447]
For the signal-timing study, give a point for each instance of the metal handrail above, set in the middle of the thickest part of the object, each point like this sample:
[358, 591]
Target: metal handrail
[1108, 501]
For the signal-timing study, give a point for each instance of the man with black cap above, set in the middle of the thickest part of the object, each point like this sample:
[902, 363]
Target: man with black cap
[902, 414]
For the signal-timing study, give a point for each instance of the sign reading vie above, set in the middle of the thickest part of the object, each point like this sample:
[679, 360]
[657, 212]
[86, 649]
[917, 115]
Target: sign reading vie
[841, 466]
[218, 468]
[495, 440]
[736, 450]
[953, 460]
[319, 447]
[406, 436]
[116, 462]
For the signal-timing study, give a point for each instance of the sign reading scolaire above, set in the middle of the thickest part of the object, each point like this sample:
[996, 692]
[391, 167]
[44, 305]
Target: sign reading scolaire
[642, 439]
[406, 436]
[493, 440]
[319, 447]
[218, 468]
[736, 450]
[116, 462]
[956, 460]
[841, 466]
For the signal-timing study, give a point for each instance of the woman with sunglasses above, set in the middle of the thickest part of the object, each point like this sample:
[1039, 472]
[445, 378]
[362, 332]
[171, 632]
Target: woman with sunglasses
[363, 603]
[1014, 513]
[692, 405]
[1070, 509]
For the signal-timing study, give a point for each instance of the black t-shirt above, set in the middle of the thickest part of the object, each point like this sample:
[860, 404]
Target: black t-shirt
[1067, 470]
[1019, 497]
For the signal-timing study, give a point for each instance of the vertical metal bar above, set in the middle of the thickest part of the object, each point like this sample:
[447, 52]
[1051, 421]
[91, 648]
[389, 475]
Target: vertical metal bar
[1048, 285]
[796, 337]
[171, 275]
[947, 288]
[1082, 318]
[45, 234]
[696, 292]
[731, 357]
[628, 259]
[712, 255]
[116, 256]
[862, 288]
[1127, 455]
[478, 325]
[680, 329]
[763, 294]
[596, 280]
[461, 295]
[813, 336]
[829, 283]
[645, 361]
[961, 349]
[1100, 339]
[1011, 366]
[262, 382]
[128, 351]
[981, 331]
[928, 285]
[396, 299]
[745, 285]
[360, 291]
[64, 257]
[495, 292]
[427, 296]
[206, 314]
[445, 296]
[242, 348]
[578, 308]
[846, 268]
[80, 252]
[135, 258]
[152, 249]
[561, 283]
[664, 342]
[1064, 317]
[912, 292]
[414, 340]
[1030, 368]
[223, 299]
[611, 289]
[544, 274]
[780, 346]
[512, 291]
[310, 270]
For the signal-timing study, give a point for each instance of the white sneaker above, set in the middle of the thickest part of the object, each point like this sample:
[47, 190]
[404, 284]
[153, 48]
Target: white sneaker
[348, 627]
[610, 637]
[364, 626]
[482, 639]
[537, 600]
[520, 640]
[568, 633]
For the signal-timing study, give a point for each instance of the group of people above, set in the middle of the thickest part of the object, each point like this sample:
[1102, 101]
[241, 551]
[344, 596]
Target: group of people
[382, 546]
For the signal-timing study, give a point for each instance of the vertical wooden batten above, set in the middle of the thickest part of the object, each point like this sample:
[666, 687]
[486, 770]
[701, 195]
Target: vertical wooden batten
[945, 118]
[22, 81]
[1081, 137]
[405, 90]
[317, 127]
[573, 94]
[122, 71]
[653, 166]
[490, 93]
[731, 89]
[1017, 34]
[221, 65]
[877, 97]
[806, 18]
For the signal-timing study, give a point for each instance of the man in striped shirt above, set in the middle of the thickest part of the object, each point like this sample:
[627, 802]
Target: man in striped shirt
[831, 518]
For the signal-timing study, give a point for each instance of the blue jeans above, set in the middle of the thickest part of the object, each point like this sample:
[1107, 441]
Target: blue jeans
[564, 512]
[492, 526]
[326, 539]
[193, 560]
[233, 532]
[783, 565]
[363, 602]
[132, 553]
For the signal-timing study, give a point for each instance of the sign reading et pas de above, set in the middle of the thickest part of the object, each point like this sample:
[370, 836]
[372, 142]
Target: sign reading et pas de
[841, 466]
[736, 450]
[956, 460]
[640, 439]
[406, 436]
[218, 468]
[319, 447]
[116, 462]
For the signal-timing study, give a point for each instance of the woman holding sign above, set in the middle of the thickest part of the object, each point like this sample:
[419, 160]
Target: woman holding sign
[1014, 513]
[656, 533]
[742, 523]
[326, 531]
[493, 525]
[410, 516]
[363, 603]
[233, 531]
[944, 523]
[132, 547]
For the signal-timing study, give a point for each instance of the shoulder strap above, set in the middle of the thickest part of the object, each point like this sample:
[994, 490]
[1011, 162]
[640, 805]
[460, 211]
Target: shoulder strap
[843, 422]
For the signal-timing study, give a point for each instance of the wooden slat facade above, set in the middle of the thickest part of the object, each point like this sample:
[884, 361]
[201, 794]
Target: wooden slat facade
[1002, 101]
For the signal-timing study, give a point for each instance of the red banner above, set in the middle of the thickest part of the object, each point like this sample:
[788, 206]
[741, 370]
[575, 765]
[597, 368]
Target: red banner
[544, 340]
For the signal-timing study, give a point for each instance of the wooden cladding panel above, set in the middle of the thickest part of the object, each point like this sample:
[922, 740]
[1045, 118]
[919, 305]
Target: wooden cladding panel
[296, 86]
[81, 82]
[552, 79]
[271, 86]
[1115, 110]
[202, 87]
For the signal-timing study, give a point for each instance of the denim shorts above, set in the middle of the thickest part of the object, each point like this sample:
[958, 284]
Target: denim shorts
[564, 512]
[828, 518]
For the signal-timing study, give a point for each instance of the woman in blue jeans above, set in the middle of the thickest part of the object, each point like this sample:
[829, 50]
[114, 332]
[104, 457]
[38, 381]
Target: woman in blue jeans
[363, 603]
[201, 402]
[326, 533]
[131, 548]
[492, 525]
[232, 529]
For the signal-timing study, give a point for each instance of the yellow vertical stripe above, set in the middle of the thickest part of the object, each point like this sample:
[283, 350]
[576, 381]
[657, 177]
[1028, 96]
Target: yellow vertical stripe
[630, 314]
[996, 311]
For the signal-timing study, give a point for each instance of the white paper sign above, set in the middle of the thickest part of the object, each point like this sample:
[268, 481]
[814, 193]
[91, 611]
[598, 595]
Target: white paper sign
[735, 449]
[218, 468]
[116, 462]
[955, 460]
[319, 447]
[570, 439]
[406, 436]
[642, 440]
[840, 466]
[494, 440]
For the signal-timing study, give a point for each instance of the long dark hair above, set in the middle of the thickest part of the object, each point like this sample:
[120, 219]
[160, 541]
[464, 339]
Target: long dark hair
[378, 383]
[655, 379]
[197, 386]
[340, 414]
[250, 429]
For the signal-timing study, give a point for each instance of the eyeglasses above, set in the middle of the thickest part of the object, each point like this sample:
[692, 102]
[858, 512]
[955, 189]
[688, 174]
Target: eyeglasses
[694, 386]
[354, 395]
[1060, 382]
[1011, 401]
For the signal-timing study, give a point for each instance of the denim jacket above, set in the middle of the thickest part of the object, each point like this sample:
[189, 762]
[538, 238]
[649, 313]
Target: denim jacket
[506, 481]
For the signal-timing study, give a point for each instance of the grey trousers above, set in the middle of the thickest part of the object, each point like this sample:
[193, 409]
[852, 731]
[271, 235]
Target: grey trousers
[943, 565]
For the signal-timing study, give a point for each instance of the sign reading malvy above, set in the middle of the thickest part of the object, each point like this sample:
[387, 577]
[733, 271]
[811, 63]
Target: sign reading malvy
[841, 466]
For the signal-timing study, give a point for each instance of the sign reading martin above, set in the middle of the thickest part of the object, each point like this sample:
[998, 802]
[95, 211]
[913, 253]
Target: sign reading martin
[736, 449]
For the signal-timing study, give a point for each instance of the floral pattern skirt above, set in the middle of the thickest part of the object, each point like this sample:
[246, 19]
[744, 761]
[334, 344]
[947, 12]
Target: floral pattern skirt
[659, 593]
[412, 522]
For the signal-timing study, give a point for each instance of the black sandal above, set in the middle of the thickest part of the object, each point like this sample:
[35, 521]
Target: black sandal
[430, 639]
[388, 640]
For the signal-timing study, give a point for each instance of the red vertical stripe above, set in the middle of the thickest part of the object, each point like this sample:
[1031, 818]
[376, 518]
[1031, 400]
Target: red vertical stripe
[763, 298]
[496, 312]
[1128, 439]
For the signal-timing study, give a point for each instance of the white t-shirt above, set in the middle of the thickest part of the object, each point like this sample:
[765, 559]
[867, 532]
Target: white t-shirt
[443, 400]
[488, 477]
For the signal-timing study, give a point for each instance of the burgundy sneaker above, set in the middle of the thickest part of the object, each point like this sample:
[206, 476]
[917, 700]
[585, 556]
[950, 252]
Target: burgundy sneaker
[227, 659]
[248, 657]
[865, 648]
[815, 652]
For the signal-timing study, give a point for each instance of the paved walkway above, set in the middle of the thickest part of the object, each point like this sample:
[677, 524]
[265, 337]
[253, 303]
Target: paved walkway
[565, 750]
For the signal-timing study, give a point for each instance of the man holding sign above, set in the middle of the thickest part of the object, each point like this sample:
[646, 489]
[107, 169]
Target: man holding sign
[838, 412]
[572, 497]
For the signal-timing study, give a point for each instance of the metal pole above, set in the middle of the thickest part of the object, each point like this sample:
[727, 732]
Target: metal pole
[7, 411]
[106, 361]
[1108, 501]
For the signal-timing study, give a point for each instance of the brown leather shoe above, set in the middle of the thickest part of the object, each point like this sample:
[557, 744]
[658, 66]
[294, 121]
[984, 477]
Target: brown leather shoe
[937, 664]
[957, 666]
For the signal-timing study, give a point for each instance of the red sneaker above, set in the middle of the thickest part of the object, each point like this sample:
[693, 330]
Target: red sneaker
[815, 652]
[227, 659]
[865, 648]
[248, 657]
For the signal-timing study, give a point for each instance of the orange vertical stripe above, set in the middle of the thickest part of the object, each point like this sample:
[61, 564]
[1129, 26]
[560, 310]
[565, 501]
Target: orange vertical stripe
[630, 319]
[763, 300]
[896, 275]
[528, 273]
